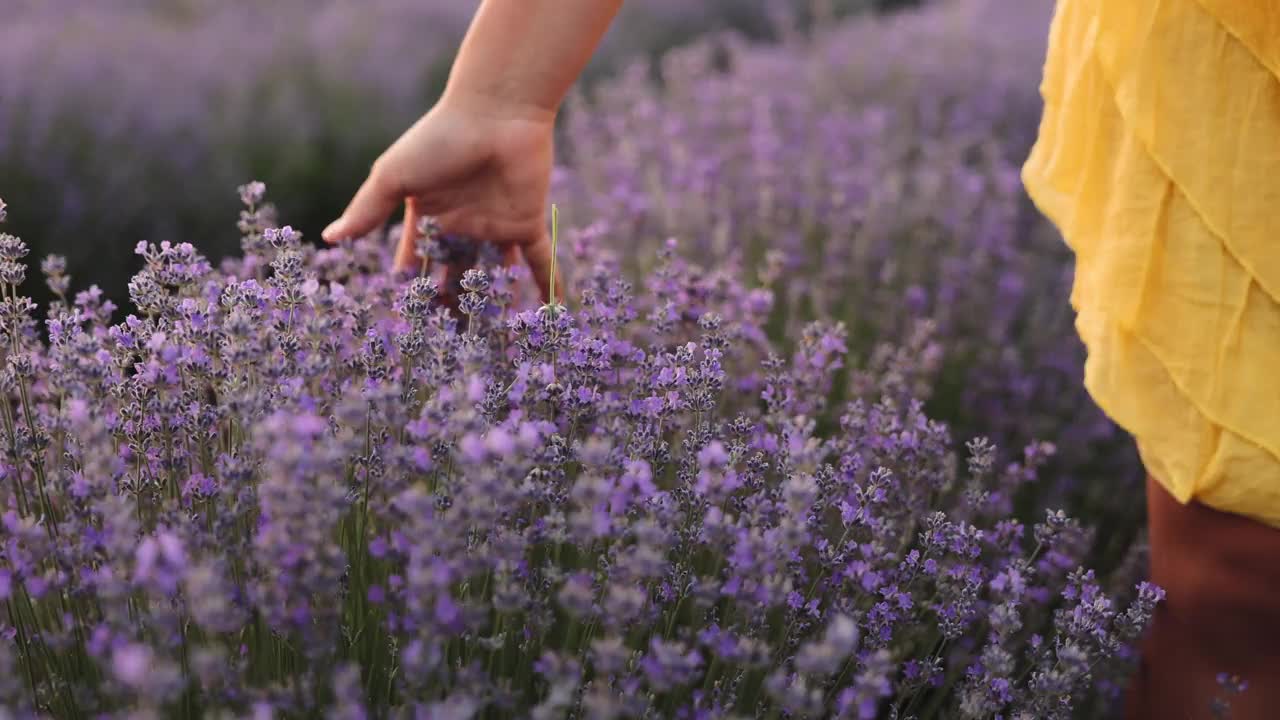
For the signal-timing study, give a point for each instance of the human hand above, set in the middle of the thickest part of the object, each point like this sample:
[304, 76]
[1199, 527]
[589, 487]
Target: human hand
[482, 170]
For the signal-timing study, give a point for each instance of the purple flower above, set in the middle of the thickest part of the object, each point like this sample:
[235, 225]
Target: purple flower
[669, 665]
[131, 664]
[159, 561]
[729, 475]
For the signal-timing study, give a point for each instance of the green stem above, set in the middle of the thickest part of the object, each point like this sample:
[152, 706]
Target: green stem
[555, 241]
[27, 658]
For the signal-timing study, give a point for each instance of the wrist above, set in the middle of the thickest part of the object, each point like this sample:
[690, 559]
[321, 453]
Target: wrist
[497, 105]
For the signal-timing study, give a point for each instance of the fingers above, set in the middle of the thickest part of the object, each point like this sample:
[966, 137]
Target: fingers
[407, 251]
[369, 209]
[538, 255]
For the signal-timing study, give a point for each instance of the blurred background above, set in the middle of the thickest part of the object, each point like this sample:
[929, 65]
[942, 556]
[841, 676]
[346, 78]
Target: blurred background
[124, 120]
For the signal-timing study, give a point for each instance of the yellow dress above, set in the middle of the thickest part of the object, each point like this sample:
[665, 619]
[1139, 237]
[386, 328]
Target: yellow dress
[1159, 160]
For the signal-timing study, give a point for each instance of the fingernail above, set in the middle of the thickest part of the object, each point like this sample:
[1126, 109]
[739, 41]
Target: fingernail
[329, 232]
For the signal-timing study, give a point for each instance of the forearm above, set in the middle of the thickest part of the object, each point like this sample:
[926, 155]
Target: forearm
[521, 56]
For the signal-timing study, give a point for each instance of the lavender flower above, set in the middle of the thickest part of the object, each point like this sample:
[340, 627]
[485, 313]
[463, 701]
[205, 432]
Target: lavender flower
[298, 485]
[1230, 685]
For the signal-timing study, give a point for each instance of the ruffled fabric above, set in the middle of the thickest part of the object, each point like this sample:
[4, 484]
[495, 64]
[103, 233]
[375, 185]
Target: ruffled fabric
[1255, 24]
[1207, 109]
[1159, 160]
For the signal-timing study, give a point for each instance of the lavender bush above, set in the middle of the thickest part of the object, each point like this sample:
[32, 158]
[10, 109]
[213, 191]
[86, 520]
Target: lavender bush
[876, 187]
[295, 485]
[130, 118]
[791, 466]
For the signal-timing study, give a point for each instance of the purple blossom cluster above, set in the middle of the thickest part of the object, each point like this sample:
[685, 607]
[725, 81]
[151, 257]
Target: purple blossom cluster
[869, 174]
[294, 484]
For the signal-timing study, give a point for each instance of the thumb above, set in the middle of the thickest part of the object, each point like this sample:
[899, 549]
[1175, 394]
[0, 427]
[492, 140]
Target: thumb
[373, 203]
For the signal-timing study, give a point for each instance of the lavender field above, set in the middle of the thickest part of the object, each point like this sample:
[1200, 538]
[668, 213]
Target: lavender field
[132, 118]
[806, 440]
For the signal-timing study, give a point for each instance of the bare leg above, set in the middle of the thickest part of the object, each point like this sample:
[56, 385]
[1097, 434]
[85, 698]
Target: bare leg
[1222, 614]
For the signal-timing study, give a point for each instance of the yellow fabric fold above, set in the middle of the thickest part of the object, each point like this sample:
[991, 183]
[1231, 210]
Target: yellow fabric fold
[1208, 110]
[1255, 23]
[1191, 456]
[1176, 284]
